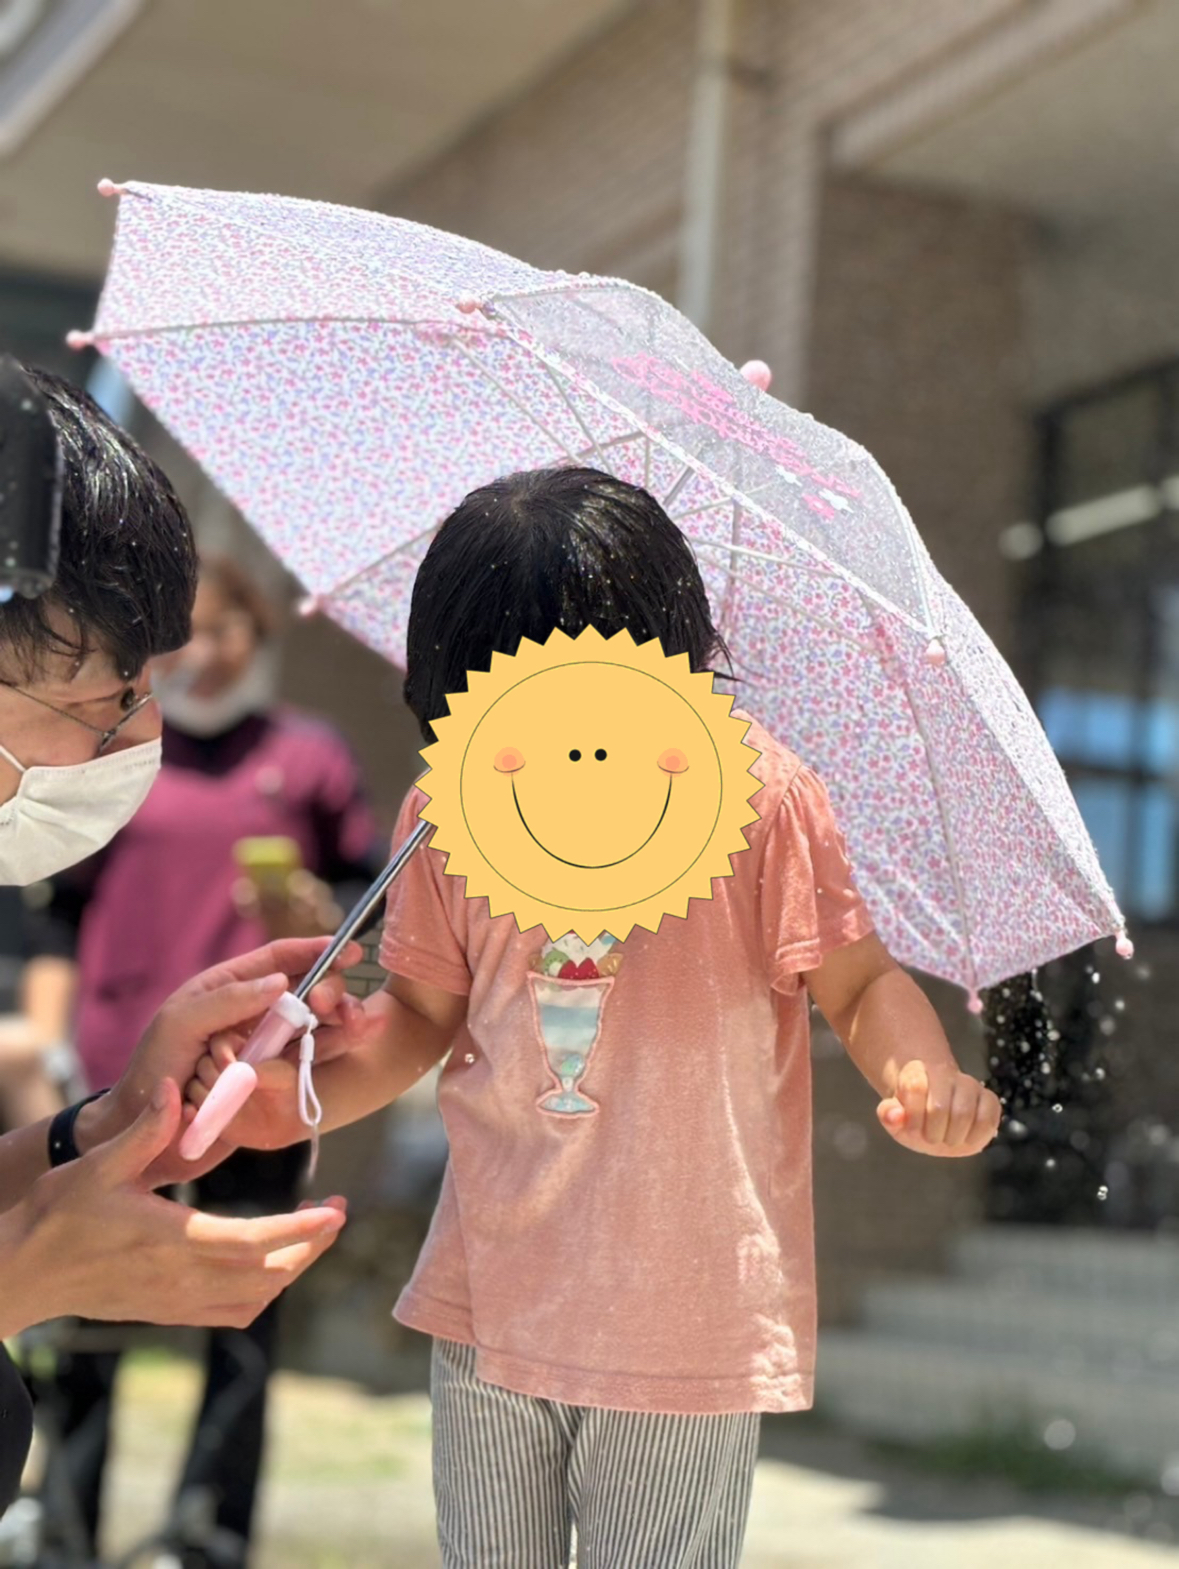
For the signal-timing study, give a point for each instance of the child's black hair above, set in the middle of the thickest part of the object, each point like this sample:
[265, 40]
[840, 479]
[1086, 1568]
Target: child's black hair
[558, 547]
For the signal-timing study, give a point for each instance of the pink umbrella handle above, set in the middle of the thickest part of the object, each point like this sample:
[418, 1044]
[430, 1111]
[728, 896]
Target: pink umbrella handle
[227, 1097]
[285, 1019]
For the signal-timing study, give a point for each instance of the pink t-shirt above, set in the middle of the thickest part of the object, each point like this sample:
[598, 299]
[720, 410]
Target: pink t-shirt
[656, 1252]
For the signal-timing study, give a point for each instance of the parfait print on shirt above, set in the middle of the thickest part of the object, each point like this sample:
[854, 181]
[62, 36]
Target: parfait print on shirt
[570, 982]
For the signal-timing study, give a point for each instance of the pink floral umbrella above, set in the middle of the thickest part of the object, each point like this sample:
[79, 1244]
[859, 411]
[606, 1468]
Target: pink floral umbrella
[347, 377]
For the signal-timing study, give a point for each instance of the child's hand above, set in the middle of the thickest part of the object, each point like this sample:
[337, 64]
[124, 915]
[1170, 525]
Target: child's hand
[939, 1111]
[270, 1119]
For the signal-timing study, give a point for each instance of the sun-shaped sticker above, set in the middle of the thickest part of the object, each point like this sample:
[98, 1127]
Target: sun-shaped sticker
[589, 785]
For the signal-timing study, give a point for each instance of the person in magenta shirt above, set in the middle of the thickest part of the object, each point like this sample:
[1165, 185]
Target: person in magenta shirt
[163, 901]
[614, 1298]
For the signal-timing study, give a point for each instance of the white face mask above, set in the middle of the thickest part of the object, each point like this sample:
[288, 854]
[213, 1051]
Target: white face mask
[60, 815]
[252, 693]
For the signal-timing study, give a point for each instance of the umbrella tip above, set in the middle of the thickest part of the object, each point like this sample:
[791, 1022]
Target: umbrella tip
[111, 188]
[935, 653]
[1123, 946]
[974, 1003]
[468, 304]
[311, 605]
[758, 373]
[79, 340]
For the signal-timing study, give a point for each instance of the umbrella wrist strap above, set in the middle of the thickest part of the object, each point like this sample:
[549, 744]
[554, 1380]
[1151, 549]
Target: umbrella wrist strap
[310, 1109]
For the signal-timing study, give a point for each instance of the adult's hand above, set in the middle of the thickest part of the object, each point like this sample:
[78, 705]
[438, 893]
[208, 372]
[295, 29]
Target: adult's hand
[91, 1239]
[230, 997]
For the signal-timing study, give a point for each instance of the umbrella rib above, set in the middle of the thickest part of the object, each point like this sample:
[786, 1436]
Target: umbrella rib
[917, 552]
[733, 549]
[495, 381]
[681, 480]
[804, 614]
[568, 281]
[893, 664]
[114, 334]
[653, 435]
[715, 506]
[666, 444]
[568, 402]
[616, 441]
[380, 561]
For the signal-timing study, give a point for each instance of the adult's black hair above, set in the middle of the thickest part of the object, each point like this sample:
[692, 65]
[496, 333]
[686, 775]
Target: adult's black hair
[559, 547]
[127, 570]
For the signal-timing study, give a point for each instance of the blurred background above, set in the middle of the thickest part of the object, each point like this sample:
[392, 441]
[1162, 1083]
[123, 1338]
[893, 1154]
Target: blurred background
[950, 227]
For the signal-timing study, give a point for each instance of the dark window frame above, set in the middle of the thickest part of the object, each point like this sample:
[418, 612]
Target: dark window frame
[1044, 582]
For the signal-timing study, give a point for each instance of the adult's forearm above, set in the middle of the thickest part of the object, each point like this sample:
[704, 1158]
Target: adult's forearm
[24, 1156]
[26, 1287]
[893, 1023]
[24, 1153]
[48, 990]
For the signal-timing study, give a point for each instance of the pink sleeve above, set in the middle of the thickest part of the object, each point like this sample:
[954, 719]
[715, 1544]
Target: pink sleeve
[425, 915]
[344, 820]
[810, 903]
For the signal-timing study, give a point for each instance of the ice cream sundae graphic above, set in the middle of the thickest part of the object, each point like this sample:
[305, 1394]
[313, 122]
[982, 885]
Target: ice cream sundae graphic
[570, 981]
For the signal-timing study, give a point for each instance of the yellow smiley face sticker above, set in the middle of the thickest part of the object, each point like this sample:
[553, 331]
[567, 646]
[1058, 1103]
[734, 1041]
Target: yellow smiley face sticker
[589, 785]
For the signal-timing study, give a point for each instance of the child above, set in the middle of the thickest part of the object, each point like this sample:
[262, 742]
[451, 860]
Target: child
[615, 1298]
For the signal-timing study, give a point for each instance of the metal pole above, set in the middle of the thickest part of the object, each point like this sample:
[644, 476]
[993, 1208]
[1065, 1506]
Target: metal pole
[361, 911]
[704, 173]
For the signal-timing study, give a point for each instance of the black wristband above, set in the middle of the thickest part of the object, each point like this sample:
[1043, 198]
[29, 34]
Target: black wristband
[61, 1131]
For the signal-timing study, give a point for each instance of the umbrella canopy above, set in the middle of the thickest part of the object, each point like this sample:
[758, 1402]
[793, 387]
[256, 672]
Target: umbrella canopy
[347, 377]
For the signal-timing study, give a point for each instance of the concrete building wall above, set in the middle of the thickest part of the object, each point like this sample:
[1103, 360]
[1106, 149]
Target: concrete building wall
[587, 170]
[1098, 305]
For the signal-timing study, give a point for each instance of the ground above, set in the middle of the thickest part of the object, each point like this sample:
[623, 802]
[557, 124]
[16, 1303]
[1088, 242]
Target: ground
[349, 1488]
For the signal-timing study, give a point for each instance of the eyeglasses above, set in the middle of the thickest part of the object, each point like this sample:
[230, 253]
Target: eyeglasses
[105, 737]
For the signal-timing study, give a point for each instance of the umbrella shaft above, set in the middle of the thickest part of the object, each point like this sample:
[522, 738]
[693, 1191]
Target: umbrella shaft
[361, 911]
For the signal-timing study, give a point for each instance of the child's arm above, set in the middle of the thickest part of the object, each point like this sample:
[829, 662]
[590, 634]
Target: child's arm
[893, 1036]
[413, 1027]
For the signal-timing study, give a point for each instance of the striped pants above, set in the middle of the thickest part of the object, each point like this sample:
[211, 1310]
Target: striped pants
[514, 1474]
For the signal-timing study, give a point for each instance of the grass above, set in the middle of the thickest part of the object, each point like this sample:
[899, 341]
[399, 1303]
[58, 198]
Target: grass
[1015, 1453]
[343, 1465]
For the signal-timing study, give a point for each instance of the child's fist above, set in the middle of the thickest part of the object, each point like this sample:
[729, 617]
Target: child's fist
[939, 1111]
[270, 1117]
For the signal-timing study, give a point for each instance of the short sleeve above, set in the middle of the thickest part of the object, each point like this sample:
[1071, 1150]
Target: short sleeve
[810, 904]
[425, 920]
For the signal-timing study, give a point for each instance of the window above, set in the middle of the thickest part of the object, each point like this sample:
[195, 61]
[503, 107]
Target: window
[1102, 626]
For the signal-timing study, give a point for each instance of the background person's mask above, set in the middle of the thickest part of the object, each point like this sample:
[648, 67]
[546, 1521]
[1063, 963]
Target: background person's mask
[60, 815]
[253, 692]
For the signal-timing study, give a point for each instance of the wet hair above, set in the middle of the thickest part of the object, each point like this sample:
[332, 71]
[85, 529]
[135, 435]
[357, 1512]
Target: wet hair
[557, 547]
[242, 592]
[127, 571]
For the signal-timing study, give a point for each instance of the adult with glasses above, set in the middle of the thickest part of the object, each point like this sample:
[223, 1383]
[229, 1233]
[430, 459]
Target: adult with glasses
[82, 1231]
[120, 931]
